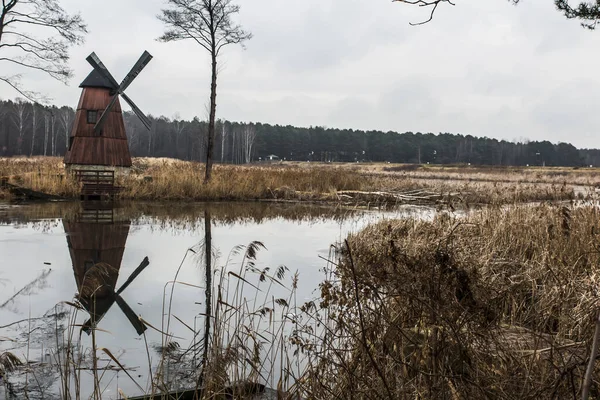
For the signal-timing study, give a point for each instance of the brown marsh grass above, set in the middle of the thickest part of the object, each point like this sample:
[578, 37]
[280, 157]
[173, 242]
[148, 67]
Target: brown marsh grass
[176, 180]
[42, 174]
[551, 175]
[498, 305]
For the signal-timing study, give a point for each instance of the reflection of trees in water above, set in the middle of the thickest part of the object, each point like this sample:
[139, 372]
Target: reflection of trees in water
[41, 341]
[183, 368]
[182, 216]
[33, 287]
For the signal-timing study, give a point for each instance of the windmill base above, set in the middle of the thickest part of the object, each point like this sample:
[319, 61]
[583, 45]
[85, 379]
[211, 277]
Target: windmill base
[96, 183]
[118, 171]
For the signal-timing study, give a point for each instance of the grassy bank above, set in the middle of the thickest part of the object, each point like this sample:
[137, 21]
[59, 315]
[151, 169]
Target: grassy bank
[499, 305]
[168, 179]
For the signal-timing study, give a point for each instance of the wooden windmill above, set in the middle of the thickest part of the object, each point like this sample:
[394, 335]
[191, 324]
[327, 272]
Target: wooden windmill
[96, 245]
[98, 140]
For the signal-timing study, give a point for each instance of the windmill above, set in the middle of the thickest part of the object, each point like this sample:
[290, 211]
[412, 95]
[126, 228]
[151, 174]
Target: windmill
[98, 140]
[96, 244]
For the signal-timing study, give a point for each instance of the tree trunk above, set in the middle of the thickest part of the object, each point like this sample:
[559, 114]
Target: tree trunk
[223, 142]
[46, 129]
[33, 112]
[211, 120]
[2, 18]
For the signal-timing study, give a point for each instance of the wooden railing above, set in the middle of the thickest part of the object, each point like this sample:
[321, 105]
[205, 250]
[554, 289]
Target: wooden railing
[97, 183]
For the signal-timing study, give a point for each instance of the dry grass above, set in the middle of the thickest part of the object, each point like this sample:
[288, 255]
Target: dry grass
[183, 181]
[550, 175]
[169, 179]
[42, 174]
[499, 305]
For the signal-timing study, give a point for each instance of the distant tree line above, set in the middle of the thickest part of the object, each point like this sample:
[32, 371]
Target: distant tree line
[33, 129]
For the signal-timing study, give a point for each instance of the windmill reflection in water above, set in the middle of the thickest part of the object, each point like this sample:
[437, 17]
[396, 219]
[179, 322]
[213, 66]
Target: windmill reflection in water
[96, 238]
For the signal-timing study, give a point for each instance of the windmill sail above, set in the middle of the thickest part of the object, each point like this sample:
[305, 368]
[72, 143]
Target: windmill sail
[119, 89]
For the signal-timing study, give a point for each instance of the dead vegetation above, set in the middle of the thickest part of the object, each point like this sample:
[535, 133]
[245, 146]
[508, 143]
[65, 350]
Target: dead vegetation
[176, 180]
[498, 305]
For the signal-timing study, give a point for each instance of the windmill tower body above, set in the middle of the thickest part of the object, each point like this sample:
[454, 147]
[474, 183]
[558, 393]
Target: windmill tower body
[107, 149]
[98, 140]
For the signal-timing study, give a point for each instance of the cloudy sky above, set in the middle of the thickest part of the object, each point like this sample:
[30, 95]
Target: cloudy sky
[485, 68]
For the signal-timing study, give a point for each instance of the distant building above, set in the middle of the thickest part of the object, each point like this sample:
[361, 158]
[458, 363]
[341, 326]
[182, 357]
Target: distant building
[272, 157]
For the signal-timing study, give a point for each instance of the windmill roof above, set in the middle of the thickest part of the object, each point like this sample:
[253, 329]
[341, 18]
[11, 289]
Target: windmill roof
[95, 79]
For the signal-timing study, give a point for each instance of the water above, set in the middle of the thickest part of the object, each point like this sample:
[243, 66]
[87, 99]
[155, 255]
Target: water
[46, 250]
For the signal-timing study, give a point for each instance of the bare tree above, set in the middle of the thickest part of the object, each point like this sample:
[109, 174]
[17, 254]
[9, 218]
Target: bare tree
[53, 131]
[223, 134]
[48, 52]
[20, 114]
[3, 126]
[66, 116]
[248, 136]
[179, 126]
[209, 23]
[33, 126]
[587, 12]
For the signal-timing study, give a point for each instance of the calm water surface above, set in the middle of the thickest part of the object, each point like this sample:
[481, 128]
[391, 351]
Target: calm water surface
[47, 249]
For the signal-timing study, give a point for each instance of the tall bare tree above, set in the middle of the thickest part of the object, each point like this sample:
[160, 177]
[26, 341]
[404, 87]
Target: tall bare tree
[179, 126]
[53, 131]
[223, 135]
[48, 51]
[209, 23]
[248, 137]
[66, 116]
[20, 114]
[34, 118]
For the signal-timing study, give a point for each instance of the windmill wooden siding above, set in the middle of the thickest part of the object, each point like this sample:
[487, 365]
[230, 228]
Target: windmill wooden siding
[110, 147]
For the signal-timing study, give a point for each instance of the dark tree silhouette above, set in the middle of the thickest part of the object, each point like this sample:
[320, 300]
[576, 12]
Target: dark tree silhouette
[587, 13]
[241, 142]
[209, 23]
[48, 51]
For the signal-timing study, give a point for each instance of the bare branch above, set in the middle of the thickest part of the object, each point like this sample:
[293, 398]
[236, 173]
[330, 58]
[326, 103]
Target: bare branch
[50, 53]
[14, 82]
[587, 12]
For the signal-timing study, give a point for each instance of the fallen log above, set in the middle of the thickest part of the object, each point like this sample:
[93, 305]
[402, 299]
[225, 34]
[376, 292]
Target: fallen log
[29, 194]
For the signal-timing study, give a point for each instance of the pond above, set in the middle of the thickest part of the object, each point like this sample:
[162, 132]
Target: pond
[70, 267]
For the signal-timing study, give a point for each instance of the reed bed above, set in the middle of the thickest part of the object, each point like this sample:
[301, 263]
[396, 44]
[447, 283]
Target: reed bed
[42, 174]
[183, 181]
[176, 180]
[552, 175]
[500, 304]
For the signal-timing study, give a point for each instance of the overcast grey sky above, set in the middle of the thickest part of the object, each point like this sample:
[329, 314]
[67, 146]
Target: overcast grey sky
[484, 68]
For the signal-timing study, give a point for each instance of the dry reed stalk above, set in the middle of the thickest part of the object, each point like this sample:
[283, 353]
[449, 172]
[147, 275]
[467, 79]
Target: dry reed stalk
[500, 304]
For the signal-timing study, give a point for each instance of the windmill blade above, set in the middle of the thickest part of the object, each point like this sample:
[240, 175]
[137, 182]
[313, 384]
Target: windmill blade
[105, 114]
[135, 71]
[137, 111]
[98, 66]
[89, 324]
[87, 327]
[145, 262]
[131, 316]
